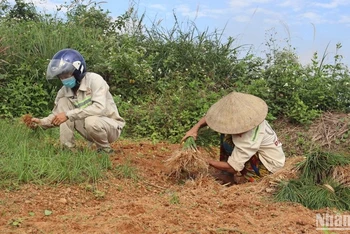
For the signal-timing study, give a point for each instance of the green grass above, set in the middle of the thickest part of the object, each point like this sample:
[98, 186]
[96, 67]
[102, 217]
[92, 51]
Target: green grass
[126, 171]
[28, 156]
[312, 189]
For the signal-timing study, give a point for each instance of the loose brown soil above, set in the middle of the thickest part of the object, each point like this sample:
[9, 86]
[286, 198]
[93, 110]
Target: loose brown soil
[155, 203]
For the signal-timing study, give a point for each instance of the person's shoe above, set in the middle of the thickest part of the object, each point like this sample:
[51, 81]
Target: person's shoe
[106, 150]
[69, 147]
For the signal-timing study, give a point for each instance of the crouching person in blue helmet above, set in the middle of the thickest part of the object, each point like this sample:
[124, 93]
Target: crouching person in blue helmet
[84, 103]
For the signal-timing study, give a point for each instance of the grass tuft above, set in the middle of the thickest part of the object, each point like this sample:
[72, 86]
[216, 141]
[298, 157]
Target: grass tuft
[28, 156]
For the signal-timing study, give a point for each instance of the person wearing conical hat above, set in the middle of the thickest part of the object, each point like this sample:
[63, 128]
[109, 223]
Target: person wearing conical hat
[249, 147]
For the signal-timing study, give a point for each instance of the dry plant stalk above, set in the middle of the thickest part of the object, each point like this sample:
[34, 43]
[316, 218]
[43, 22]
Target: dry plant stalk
[341, 174]
[187, 160]
[288, 172]
[27, 120]
[329, 127]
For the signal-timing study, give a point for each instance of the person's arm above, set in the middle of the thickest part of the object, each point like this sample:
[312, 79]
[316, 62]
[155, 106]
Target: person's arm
[220, 165]
[194, 130]
[47, 122]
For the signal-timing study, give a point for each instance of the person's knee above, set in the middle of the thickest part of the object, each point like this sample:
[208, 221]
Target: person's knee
[92, 126]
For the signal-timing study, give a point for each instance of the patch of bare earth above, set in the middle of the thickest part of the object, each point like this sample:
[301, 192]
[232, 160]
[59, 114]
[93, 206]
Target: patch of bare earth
[153, 204]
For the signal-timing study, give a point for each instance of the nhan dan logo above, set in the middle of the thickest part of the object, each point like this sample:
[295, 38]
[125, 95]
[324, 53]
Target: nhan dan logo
[332, 222]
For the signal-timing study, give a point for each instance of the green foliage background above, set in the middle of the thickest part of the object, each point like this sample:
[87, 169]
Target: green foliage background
[163, 80]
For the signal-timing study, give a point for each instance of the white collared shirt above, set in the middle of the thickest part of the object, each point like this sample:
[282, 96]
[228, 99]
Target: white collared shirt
[261, 139]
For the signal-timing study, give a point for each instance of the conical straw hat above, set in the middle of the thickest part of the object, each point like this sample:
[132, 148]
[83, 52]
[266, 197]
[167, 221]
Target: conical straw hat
[236, 113]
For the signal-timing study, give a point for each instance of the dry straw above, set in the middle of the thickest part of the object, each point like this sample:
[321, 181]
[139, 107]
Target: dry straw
[186, 162]
[289, 171]
[341, 175]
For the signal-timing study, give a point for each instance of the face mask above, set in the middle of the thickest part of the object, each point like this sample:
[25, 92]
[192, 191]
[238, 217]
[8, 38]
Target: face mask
[69, 82]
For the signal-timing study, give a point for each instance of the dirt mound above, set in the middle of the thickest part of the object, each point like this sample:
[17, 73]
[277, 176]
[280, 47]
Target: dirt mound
[155, 203]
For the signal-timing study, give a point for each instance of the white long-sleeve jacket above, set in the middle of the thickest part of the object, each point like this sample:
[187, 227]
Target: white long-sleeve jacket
[261, 139]
[92, 99]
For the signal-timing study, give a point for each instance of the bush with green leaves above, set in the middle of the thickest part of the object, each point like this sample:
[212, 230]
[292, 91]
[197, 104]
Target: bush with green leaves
[164, 79]
[28, 47]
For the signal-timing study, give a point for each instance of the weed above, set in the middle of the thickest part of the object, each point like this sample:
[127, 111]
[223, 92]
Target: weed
[126, 171]
[174, 199]
[16, 222]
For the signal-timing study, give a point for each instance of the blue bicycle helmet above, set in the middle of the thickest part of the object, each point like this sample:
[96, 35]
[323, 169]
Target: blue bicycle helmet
[66, 61]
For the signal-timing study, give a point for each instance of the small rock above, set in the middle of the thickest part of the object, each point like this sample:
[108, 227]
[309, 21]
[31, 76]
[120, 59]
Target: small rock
[269, 190]
[63, 200]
